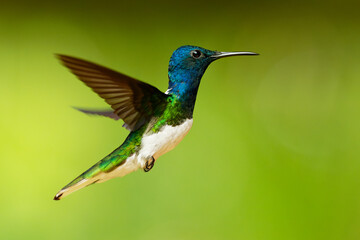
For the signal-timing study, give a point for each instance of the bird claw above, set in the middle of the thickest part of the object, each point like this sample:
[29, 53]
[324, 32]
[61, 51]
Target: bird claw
[149, 164]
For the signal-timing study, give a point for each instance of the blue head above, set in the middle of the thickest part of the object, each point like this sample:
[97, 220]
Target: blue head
[187, 66]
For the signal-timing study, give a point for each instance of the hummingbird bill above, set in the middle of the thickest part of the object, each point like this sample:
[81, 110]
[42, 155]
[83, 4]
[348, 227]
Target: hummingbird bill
[157, 120]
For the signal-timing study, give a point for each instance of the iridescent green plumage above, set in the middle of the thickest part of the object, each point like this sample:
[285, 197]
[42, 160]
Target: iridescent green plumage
[115, 159]
[172, 115]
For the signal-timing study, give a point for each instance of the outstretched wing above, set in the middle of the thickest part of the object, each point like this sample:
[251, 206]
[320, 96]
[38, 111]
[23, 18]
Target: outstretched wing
[132, 100]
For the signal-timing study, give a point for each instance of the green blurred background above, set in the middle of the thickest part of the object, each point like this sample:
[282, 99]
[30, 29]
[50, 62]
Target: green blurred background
[274, 150]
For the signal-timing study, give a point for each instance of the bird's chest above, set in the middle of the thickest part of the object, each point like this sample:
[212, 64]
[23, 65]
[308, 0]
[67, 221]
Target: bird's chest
[157, 144]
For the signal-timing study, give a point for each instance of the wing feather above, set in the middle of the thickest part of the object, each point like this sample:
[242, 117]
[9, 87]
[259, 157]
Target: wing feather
[133, 101]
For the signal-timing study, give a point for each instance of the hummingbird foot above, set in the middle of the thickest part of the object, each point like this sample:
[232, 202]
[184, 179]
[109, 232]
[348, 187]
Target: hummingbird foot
[149, 164]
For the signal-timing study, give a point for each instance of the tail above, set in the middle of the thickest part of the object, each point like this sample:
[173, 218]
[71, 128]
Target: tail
[108, 168]
[87, 178]
[72, 187]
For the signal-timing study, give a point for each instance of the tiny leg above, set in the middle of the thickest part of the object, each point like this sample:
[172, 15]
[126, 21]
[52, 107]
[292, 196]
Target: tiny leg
[149, 164]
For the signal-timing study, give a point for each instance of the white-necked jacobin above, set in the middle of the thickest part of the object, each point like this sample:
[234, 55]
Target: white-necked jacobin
[157, 121]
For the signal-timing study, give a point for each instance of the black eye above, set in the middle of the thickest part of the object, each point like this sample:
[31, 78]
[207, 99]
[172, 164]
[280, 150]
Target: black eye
[195, 53]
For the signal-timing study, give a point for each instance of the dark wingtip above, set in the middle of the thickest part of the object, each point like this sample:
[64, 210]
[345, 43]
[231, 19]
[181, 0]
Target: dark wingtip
[63, 57]
[58, 197]
[58, 55]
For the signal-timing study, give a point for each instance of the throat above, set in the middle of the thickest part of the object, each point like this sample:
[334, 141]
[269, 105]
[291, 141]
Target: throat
[185, 96]
[177, 111]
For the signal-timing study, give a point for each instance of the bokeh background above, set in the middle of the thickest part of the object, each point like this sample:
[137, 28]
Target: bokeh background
[274, 152]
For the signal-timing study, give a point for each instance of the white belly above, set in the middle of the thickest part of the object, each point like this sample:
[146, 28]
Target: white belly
[152, 145]
[155, 145]
[165, 140]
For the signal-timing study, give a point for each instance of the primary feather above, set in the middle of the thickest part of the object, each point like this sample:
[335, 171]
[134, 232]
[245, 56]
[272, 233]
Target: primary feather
[132, 100]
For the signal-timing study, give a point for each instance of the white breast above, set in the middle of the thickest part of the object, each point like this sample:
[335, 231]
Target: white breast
[157, 144]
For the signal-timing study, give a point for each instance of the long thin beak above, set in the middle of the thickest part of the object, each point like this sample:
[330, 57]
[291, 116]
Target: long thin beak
[229, 54]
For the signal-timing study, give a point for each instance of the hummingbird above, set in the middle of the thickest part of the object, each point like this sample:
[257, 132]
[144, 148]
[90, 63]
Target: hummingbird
[157, 121]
